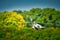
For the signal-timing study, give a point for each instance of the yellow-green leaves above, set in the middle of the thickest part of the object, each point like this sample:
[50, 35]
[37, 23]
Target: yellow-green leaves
[11, 19]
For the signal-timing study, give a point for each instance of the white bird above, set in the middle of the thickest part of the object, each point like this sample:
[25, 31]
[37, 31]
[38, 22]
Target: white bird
[36, 26]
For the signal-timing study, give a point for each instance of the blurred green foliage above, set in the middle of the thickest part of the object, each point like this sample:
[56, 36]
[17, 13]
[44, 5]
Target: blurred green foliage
[30, 34]
[49, 17]
[17, 19]
[46, 16]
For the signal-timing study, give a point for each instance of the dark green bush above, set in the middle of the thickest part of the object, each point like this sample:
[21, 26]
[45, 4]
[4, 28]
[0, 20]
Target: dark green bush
[31, 34]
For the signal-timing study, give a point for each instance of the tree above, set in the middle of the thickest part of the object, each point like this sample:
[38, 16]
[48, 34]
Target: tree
[12, 20]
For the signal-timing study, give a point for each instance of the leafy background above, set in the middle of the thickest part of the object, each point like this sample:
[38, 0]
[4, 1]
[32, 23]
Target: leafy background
[16, 24]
